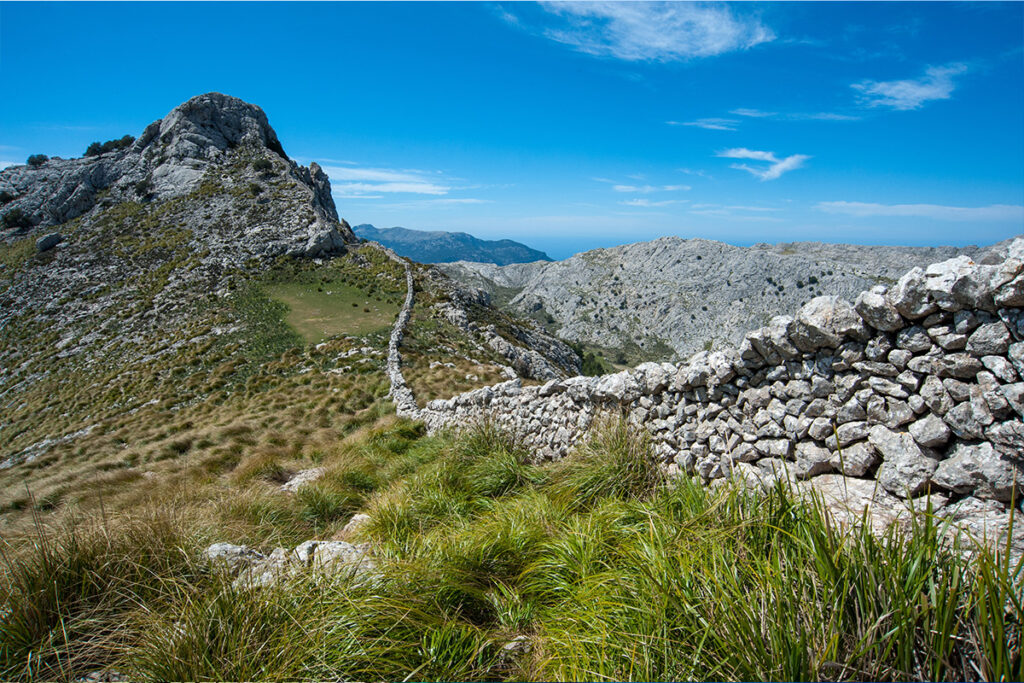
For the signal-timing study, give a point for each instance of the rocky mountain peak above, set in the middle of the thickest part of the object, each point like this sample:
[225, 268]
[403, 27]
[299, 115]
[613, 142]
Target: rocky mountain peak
[208, 124]
[212, 137]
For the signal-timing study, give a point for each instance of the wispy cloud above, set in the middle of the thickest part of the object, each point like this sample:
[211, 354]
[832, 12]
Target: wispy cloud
[736, 207]
[455, 201]
[360, 181]
[651, 31]
[794, 116]
[648, 204]
[776, 166]
[993, 212]
[710, 123]
[936, 84]
[647, 189]
[433, 203]
[618, 186]
[752, 113]
[727, 212]
[5, 164]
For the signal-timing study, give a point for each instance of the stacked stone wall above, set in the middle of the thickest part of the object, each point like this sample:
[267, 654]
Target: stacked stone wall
[911, 390]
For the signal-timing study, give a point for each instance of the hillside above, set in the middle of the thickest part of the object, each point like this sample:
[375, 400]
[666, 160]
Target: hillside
[437, 246]
[671, 297]
[200, 266]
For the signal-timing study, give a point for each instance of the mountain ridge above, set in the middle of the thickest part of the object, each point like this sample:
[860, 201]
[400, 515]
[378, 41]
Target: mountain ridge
[440, 246]
[670, 297]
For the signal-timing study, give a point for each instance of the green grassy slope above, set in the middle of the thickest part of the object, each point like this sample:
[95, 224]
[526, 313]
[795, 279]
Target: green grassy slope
[494, 569]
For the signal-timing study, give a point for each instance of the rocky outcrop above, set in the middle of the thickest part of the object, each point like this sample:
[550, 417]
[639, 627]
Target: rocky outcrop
[171, 159]
[915, 390]
[530, 352]
[675, 296]
[253, 569]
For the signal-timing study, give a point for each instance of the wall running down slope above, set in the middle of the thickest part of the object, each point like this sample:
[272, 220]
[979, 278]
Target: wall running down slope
[912, 390]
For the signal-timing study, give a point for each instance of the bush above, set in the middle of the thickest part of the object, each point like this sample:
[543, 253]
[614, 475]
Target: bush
[37, 160]
[592, 367]
[6, 196]
[15, 218]
[255, 189]
[262, 166]
[98, 148]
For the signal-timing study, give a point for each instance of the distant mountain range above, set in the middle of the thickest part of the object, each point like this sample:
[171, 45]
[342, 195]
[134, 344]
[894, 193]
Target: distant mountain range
[438, 246]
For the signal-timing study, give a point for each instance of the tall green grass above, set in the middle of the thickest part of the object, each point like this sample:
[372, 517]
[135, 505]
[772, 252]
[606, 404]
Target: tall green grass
[494, 568]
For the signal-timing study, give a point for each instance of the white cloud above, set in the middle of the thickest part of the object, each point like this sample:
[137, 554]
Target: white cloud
[724, 212]
[433, 203]
[936, 84]
[453, 200]
[5, 164]
[826, 116]
[776, 167]
[710, 123]
[993, 212]
[752, 113]
[653, 31]
[744, 153]
[647, 203]
[647, 189]
[357, 180]
[793, 116]
[413, 188]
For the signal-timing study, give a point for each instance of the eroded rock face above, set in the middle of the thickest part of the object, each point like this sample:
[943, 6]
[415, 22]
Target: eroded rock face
[172, 158]
[705, 291]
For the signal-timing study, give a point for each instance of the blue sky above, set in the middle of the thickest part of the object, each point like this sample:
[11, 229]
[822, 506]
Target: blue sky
[573, 125]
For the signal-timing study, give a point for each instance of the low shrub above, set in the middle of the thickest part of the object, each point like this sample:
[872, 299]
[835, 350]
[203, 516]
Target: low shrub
[97, 148]
[37, 160]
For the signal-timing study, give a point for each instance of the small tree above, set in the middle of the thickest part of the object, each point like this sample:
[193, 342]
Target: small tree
[37, 160]
[262, 166]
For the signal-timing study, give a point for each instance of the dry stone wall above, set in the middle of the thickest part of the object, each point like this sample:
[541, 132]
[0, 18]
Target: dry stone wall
[401, 394]
[911, 390]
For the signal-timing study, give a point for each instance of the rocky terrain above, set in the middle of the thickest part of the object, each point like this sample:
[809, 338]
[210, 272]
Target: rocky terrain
[671, 297]
[438, 246]
[909, 397]
[237, 443]
[128, 278]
